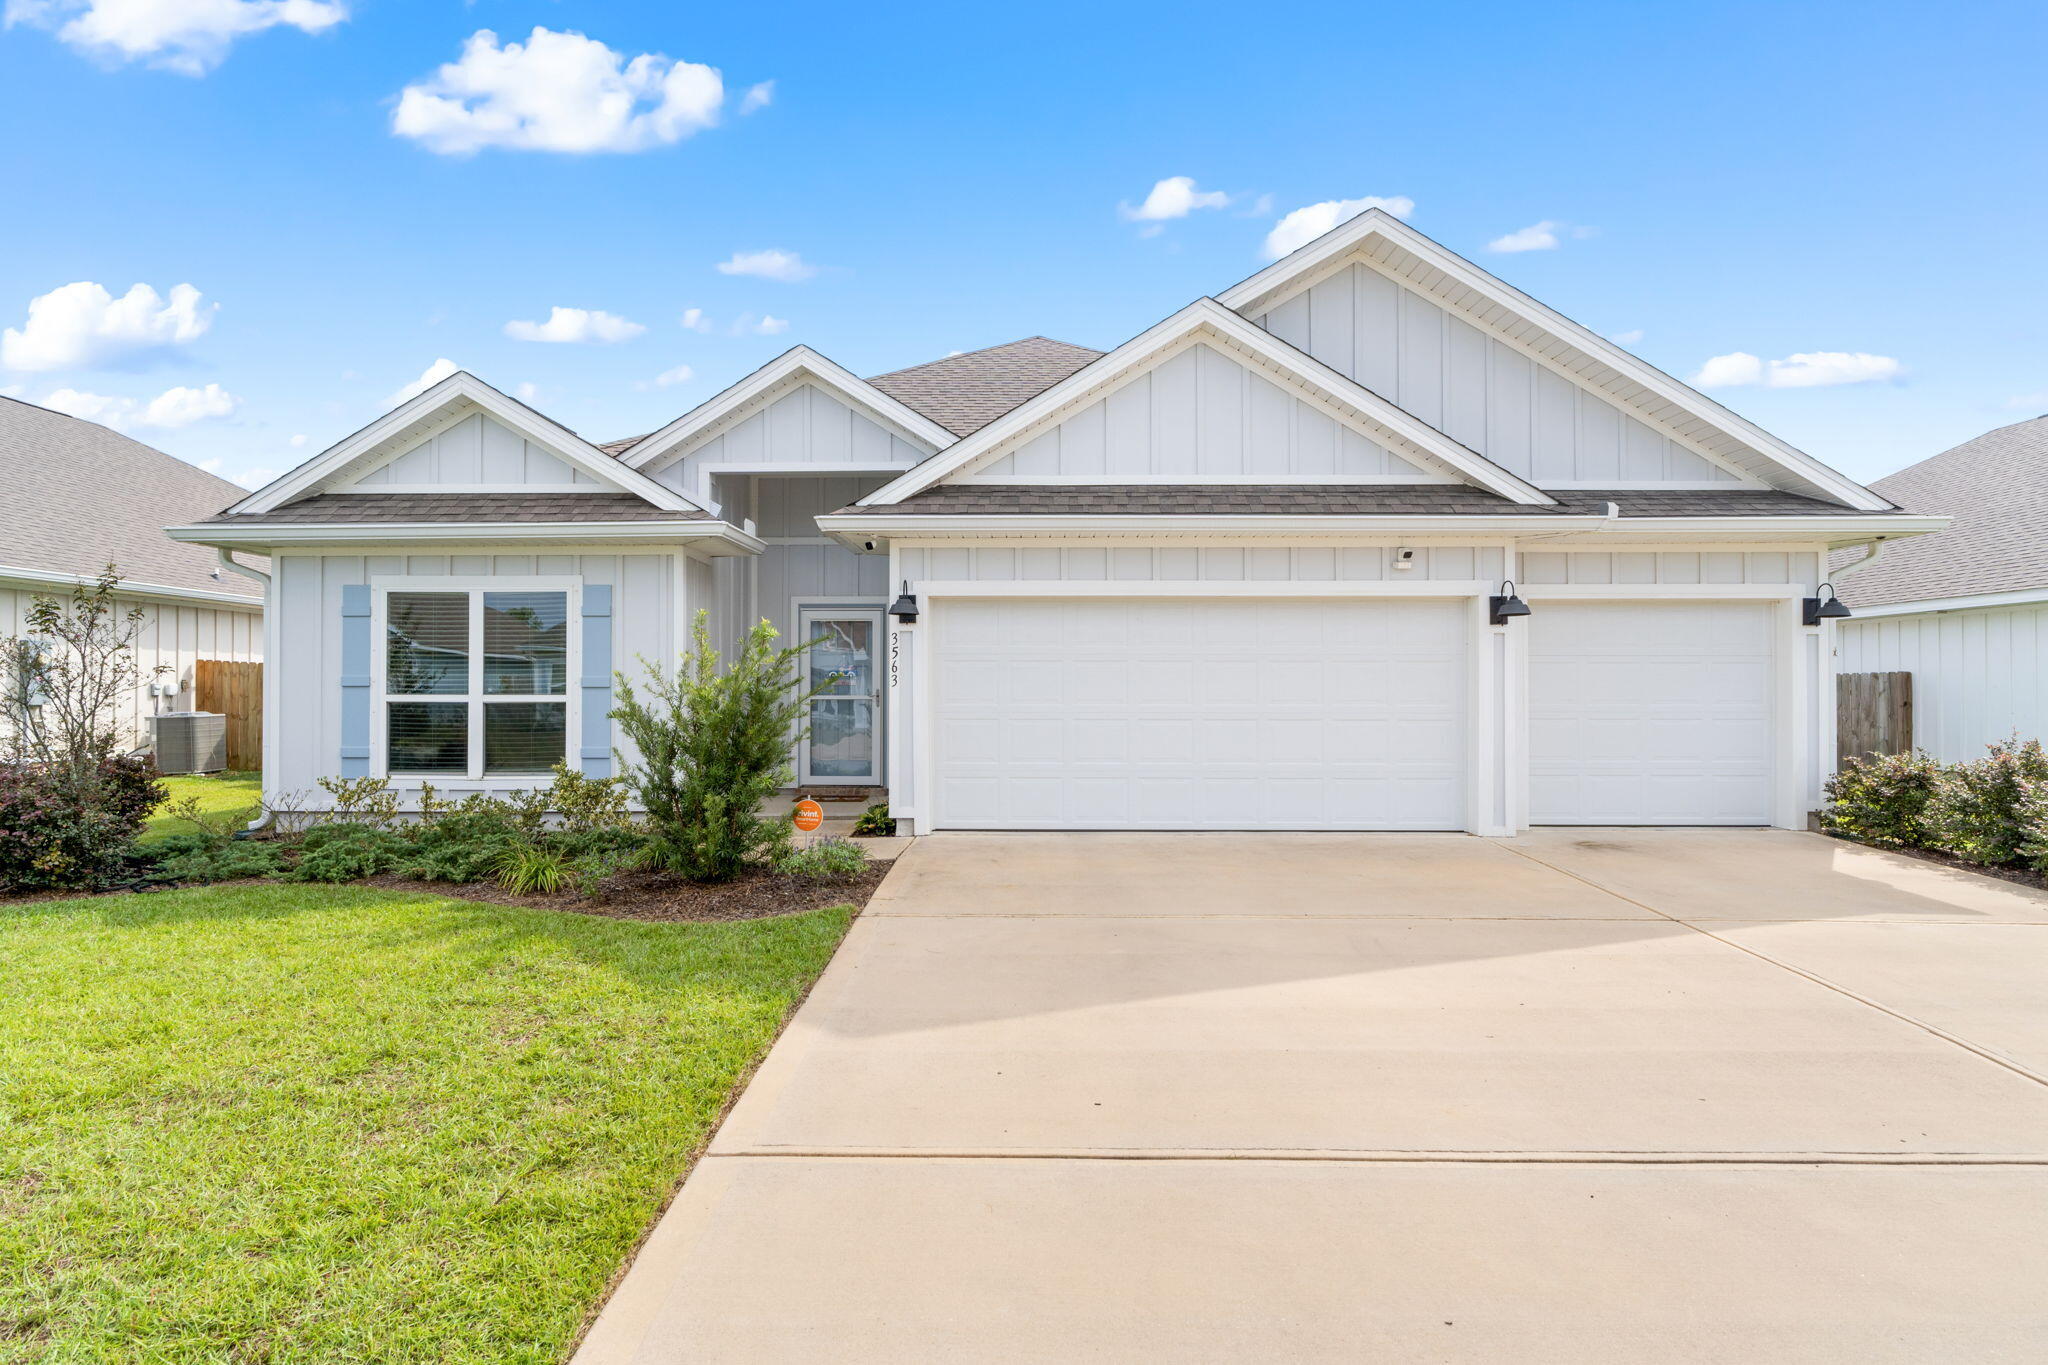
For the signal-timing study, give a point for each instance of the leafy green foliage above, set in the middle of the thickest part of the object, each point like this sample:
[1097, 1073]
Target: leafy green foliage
[827, 860]
[365, 800]
[1977, 810]
[714, 746]
[63, 830]
[197, 858]
[1883, 800]
[347, 853]
[528, 870]
[876, 821]
[588, 805]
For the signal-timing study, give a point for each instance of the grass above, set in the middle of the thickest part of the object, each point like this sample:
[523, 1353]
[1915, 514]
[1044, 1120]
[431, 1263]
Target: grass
[286, 1123]
[224, 793]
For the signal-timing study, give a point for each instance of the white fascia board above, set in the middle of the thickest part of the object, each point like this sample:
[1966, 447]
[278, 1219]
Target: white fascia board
[349, 533]
[798, 360]
[1208, 315]
[1345, 237]
[40, 579]
[2019, 598]
[460, 387]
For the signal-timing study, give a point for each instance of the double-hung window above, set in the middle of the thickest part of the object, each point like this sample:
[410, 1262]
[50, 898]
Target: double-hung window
[475, 682]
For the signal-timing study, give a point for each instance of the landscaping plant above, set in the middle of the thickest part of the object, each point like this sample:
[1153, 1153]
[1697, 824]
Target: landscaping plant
[713, 747]
[827, 860]
[1979, 811]
[1882, 800]
[875, 821]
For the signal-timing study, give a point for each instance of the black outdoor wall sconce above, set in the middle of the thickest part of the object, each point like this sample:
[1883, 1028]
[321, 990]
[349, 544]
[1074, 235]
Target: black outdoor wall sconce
[1825, 607]
[904, 608]
[1506, 604]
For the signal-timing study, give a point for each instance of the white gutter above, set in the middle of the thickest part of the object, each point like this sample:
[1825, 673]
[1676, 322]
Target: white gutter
[220, 534]
[228, 562]
[2021, 597]
[1876, 548]
[1849, 528]
[129, 588]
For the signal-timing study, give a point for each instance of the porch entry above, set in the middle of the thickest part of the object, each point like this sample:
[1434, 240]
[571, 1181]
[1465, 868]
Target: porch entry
[845, 743]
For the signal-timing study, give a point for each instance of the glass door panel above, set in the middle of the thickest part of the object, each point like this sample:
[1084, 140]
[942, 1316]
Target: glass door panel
[845, 740]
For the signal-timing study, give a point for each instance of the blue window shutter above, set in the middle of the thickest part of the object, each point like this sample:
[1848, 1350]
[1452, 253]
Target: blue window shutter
[355, 680]
[595, 750]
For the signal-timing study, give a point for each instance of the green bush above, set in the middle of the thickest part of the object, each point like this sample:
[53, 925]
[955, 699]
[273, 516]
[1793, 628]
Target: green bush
[348, 852]
[714, 746]
[530, 870]
[1979, 810]
[588, 805]
[70, 829]
[827, 860]
[196, 858]
[1883, 800]
[463, 843]
[875, 821]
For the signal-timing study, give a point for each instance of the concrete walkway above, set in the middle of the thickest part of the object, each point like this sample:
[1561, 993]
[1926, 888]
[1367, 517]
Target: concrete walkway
[1588, 1095]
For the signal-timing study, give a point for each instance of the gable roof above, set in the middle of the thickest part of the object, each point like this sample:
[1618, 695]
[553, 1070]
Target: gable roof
[1378, 499]
[80, 496]
[1996, 489]
[1208, 318]
[797, 364]
[424, 414]
[964, 393]
[1578, 353]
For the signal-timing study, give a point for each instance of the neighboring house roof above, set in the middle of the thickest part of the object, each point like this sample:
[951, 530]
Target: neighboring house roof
[1996, 489]
[449, 509]
[964, 393]
[1433, 499]
[80, 496]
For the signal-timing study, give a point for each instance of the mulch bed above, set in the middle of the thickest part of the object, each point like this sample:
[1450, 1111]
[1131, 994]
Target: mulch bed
[2023, 876]
[663, 898]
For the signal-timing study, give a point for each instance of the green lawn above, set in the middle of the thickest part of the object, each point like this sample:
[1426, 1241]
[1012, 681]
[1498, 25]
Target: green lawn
[286, 1123]
[225, 793]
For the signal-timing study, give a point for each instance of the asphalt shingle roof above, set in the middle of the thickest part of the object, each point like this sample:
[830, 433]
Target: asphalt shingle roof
[80, 496]
[371, 509]
[1996, 488]
[1331, 500]
[964, 393]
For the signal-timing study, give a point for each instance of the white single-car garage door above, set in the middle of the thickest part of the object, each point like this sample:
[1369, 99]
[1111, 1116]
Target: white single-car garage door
[1650, 713]
[1199, 713]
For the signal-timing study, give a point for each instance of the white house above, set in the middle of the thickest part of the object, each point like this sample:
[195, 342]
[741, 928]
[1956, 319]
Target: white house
[1244, 571]
[1965, 611]
[79, 497]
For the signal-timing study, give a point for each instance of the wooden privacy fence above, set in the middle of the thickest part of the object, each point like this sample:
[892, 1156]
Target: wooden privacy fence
[1873, 714]
[236, 691]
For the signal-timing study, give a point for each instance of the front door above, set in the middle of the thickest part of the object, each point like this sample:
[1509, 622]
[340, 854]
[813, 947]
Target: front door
[844, 747]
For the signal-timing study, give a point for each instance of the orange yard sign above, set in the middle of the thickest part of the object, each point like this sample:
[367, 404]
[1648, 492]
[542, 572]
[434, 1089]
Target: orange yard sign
[809, 815]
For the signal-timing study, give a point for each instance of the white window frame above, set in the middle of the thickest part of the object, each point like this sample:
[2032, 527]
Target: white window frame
[475, 698]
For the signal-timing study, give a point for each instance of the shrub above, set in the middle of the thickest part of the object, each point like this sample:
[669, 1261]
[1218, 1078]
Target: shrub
[827, 860]
[588, 805]
[1977, 811]
[195, 858]
[1883, 800]
[362, 800]
[59, 833]
[347, 853]
[875, 821]
[62, 683]
[529, 871]
[464, 843]
[714, 746]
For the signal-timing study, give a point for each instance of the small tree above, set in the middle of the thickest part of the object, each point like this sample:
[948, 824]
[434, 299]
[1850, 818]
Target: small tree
[62, 683]
[714, 745]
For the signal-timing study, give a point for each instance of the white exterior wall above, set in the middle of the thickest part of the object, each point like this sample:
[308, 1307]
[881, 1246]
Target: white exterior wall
[1211, 563]
[1200, 414]
[302, 694]
[476, 453]
[1478, 388]
[1979, 676]
[1637, 567]
[174, 636]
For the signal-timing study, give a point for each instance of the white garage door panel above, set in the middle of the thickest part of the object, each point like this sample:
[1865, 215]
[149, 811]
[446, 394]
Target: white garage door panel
[1647, 713]
[1107, 713]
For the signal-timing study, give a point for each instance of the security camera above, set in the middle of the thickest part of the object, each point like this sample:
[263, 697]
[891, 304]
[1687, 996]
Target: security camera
[868, 545]
[1404, 559]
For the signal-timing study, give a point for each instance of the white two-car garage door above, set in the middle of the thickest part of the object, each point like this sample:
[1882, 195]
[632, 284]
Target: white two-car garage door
[1200, 713]
[1650, 713]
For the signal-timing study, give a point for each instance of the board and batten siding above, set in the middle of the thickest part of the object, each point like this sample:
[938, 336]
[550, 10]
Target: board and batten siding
[1643, 567]
[305, 732]
[1477, 388]
[805, 426]
[1208, 563]
[476, 452]
[173, 636]
[1979, 676]
[1199, 413]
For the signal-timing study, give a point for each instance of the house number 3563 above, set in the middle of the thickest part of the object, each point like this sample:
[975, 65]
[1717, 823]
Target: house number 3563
[895, 656]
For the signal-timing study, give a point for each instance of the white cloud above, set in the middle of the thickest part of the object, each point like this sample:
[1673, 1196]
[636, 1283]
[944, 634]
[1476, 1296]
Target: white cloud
[680, 374]
[1535, 237]
[187, 36]
[767, 325]
[1628, 338]
[575, 325]
[82, 324]
[254, 478]
[556, 92]
[1305, 224]
[771, 264]
[169, 410]
[1802, 370]
[2035, 401]
[757, 97]
[527, 392]
[298, 442]
[211, 466]
[694, 319]
[429, 377]
[1173, 197]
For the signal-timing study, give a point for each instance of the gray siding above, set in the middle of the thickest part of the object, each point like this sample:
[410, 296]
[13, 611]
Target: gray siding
[1198, 414]
[476, 452]
[1096, 563]
[1670, 566]
[1477, 388]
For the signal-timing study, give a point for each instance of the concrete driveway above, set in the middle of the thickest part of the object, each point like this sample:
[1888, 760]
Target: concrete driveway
[1587, 1095]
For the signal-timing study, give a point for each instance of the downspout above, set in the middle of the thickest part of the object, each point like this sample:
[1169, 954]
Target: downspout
[1876, 548]
[266, 817]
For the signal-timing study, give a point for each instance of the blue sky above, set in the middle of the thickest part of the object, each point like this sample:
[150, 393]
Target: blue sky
[1863, 183]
